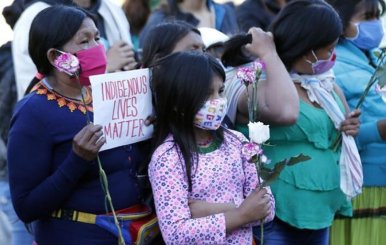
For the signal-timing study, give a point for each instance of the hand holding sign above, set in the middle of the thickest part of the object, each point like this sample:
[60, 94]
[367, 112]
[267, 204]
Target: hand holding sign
[122, 102]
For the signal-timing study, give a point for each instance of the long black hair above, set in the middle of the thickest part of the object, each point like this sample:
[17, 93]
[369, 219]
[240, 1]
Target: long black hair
[53, 27]
[234, 54]
[162, 38]
[302, 26]
[183, 81]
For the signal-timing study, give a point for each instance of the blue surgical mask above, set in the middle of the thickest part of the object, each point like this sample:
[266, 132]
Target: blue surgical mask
[369, 34]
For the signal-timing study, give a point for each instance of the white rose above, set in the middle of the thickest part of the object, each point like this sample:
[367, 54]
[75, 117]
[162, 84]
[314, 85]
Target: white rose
[258, 132]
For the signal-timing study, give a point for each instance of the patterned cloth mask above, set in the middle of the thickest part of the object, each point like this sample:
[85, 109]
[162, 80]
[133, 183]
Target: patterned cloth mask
[85, 63]
[211, 114]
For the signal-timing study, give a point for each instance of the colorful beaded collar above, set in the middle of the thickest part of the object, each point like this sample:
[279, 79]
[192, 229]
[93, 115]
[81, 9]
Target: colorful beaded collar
[65, 102]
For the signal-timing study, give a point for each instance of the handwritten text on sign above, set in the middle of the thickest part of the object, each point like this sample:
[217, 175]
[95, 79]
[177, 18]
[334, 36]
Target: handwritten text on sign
[122, 102]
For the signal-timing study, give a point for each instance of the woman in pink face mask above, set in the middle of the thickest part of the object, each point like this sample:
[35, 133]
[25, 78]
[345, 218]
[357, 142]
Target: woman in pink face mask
[52, 150]
[309, 194]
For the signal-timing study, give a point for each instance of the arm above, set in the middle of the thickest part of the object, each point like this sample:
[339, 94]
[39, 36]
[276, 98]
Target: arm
[171, 200]
[381, 126]
[278, 99]
[371, 132]
[199, 208]
[37, 188]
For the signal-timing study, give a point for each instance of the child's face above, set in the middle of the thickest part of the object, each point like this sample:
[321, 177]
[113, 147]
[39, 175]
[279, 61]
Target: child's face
[217, 88]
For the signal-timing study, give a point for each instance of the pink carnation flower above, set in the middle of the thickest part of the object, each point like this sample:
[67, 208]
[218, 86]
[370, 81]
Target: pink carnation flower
[250, 150]
[246, 74]
[381, 91]
[249, 75]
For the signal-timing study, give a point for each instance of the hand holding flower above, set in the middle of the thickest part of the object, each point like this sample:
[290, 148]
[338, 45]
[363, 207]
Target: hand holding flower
[350, 125]
[88, 141]
[256, 206]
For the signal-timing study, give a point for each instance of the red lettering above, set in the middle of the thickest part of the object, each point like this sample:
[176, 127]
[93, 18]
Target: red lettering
[144, 84]
[115, 115]
[134, 127]
[107, 130]
[121, 92]
[141, 122]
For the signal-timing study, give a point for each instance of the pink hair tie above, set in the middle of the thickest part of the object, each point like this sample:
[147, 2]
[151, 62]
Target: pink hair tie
[39, 76]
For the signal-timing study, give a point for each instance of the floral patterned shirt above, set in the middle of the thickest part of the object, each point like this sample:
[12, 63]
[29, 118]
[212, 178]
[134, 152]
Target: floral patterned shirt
[221, 176]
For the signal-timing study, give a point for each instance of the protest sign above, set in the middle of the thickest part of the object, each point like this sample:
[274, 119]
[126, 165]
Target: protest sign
[122, 102]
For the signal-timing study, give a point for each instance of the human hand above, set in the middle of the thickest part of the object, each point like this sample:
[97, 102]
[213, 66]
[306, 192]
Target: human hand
[262, 43]
[88, 141]
[381, 125]
[120, 57]
[256, 206]
[350, 125]
[200, 208]
[150, 120]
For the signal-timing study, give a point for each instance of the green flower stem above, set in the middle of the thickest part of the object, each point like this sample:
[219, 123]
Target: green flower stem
[259, 166]
[104, 181]
[105, 187]
[337, 141]
[373, 79]
[261, 232]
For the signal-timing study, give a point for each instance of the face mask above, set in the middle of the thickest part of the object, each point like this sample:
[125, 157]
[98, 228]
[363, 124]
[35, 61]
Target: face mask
[369, 34]
[211, 114]
[321, 66]
[87, 62]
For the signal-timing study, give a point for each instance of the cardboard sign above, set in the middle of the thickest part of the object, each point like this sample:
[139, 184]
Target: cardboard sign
[122, 102]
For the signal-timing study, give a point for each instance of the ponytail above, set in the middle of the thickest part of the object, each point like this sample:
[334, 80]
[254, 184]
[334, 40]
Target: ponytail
[233, 51]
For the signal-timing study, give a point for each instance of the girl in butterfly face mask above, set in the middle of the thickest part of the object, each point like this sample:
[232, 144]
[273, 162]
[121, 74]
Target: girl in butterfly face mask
[52, 152]
[197, 159]
[355, 64]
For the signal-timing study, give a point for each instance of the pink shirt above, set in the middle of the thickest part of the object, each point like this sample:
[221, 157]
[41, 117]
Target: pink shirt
[220, 176]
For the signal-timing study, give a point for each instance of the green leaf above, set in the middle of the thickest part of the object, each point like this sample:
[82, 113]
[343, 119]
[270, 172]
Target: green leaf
[297, 159]
[265, 172]
[271, 175]
[381, 75]
[379, 71]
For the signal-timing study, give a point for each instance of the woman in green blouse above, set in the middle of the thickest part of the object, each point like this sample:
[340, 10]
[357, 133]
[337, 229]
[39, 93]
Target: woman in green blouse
[309, 194]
